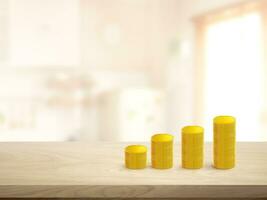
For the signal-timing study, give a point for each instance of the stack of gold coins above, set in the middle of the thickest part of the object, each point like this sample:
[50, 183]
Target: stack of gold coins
[224, 142]
[192, 147]
[162, 151]
[135, 157]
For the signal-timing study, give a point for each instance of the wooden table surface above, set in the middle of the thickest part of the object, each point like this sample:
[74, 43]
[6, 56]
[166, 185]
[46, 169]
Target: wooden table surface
[85, 170]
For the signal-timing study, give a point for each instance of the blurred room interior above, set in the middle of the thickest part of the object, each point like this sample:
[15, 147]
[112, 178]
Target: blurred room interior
[122, 70]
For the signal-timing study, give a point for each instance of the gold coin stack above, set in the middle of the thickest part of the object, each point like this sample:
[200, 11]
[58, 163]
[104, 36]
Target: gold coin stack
[224, 142]
[135, 157]
[162, 151]
[192, 147]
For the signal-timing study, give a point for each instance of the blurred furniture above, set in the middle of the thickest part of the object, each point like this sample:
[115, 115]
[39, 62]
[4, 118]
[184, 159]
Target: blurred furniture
[131, 114]
[90, 170]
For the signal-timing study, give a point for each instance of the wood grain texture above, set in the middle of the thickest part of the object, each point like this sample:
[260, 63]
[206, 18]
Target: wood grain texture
[84, 170]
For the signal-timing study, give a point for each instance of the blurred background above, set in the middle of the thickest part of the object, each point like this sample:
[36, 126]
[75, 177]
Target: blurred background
[122, 70]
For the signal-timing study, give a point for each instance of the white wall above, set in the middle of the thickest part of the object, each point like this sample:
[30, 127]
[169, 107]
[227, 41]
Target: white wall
[44, 32]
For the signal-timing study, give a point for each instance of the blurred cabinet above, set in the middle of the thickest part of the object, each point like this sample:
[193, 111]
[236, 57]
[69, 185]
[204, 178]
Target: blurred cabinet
[131, 114]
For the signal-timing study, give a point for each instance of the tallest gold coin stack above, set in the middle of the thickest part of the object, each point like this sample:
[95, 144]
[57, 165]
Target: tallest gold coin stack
[224, 142]
[192, 151]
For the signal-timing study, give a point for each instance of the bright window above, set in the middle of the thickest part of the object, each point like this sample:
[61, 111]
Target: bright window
[233, 73]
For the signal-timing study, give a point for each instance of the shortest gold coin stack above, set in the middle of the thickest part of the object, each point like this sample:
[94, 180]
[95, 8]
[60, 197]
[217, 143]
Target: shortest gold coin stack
[135, 157]
[192, 147]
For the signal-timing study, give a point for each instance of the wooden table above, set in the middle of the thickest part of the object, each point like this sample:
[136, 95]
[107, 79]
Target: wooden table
[84, 170]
